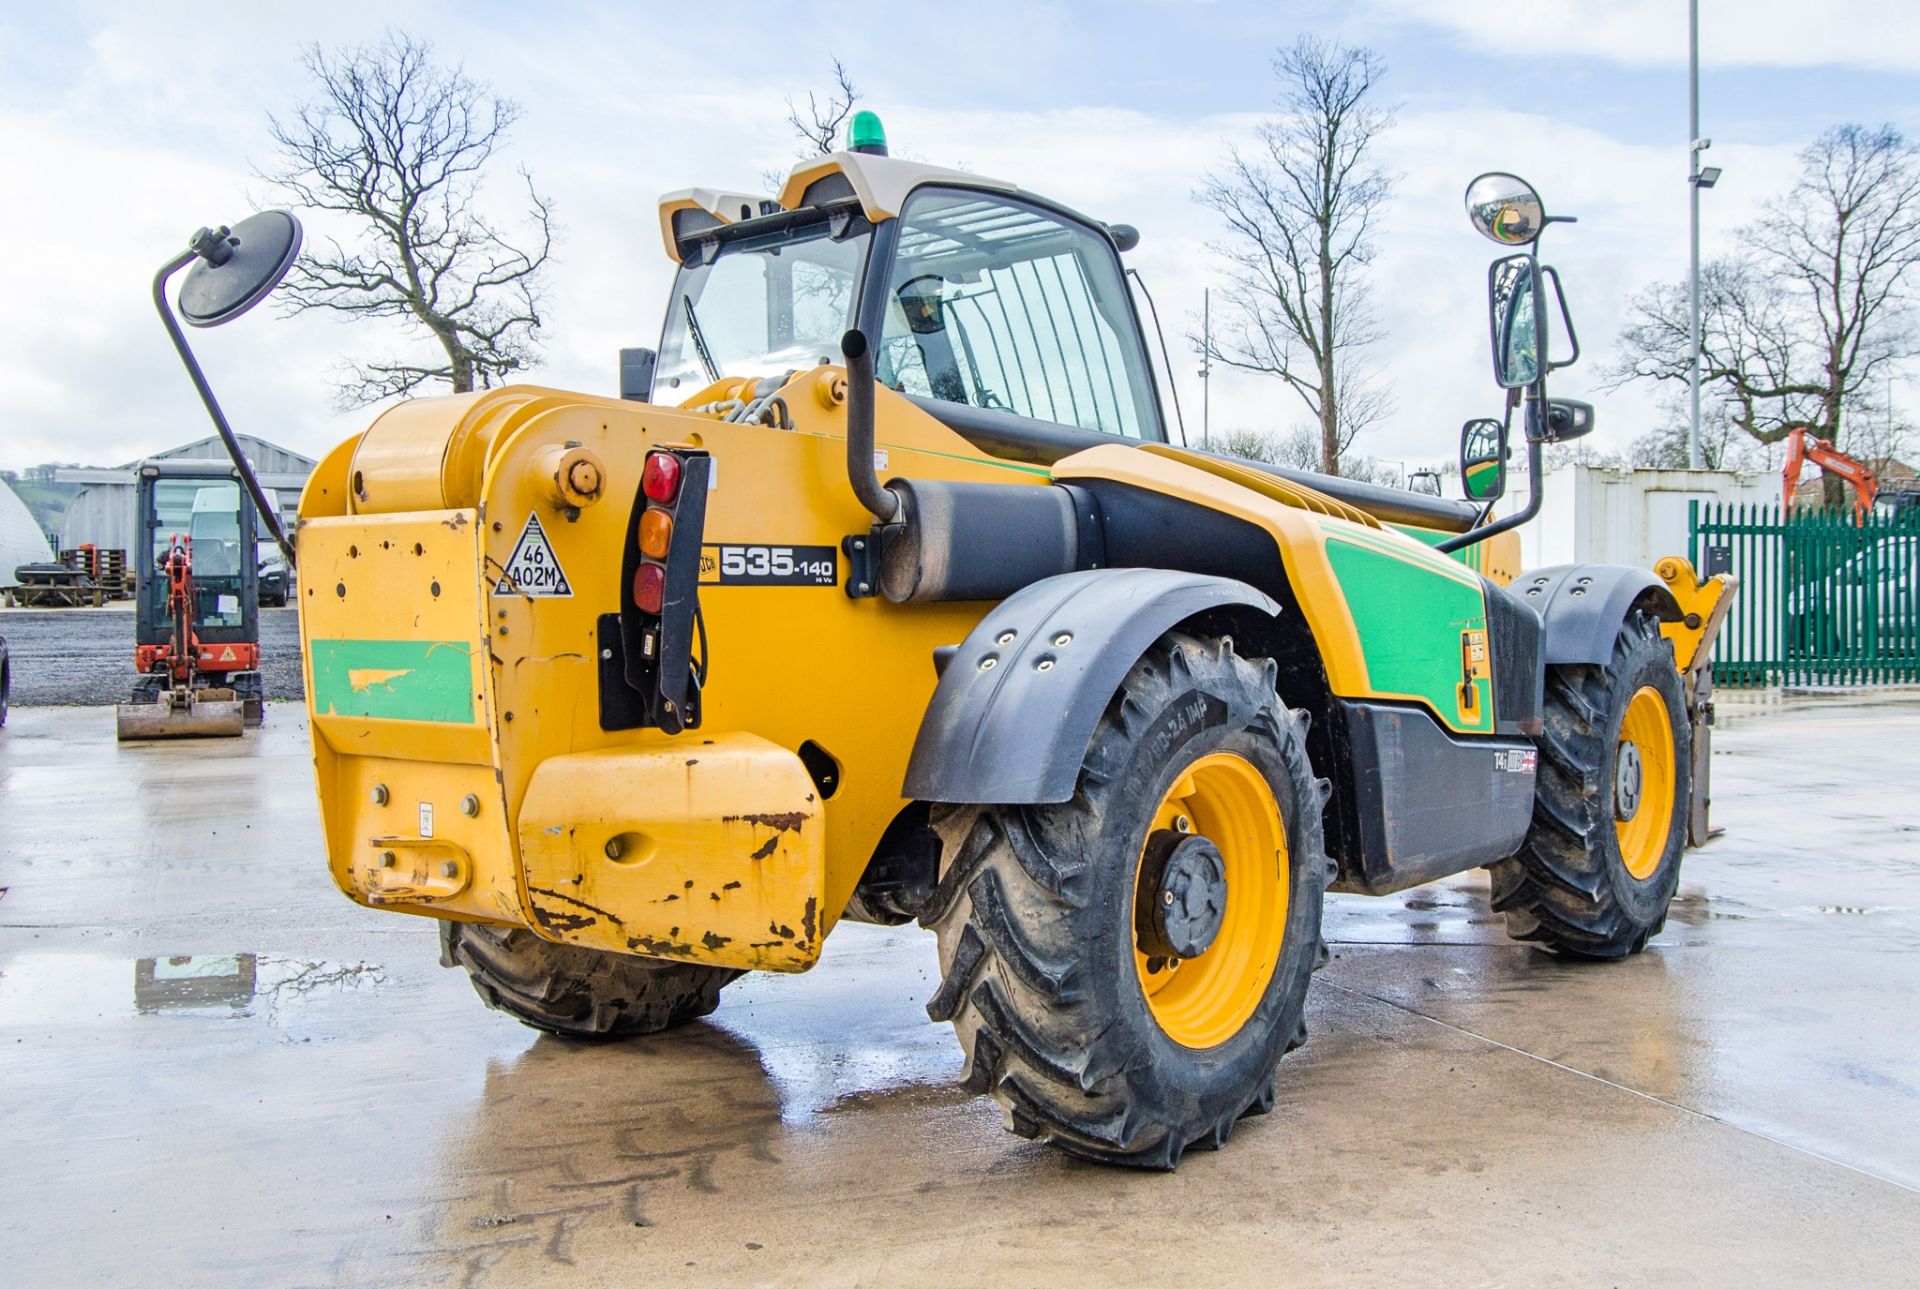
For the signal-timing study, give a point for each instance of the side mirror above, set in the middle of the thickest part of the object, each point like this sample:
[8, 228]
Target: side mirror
[1567, 418]
[235, 268]
[636, 374]
[1483, 459]
[1517, 312]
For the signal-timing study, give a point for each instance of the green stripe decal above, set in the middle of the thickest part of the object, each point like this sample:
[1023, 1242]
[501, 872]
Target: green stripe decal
[1410, 618]
[396, 680]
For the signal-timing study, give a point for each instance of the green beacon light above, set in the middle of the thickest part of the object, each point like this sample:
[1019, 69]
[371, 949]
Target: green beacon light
[866, 134]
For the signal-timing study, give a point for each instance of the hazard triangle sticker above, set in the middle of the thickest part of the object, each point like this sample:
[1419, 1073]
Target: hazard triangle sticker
[534, 570]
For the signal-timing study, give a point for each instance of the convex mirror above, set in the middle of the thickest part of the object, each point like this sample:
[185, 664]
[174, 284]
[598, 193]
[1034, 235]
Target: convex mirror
[238, 266]
[1518, 313]
[1483, 459]
[1505, 209]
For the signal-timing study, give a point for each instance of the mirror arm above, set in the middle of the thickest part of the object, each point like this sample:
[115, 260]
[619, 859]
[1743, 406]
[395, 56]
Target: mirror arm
[1535, 493]
[240, 462]
[1566, 319]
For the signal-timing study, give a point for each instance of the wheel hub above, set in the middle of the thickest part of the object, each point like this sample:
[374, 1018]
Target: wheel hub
[1627, 777]
[1186, 889]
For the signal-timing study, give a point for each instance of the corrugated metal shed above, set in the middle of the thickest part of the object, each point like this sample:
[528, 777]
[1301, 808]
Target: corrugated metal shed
[21, 541]
[102, 512]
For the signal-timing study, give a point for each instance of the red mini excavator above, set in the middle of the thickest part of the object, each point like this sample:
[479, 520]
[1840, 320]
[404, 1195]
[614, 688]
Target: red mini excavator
[1802, 447]
[184, 703]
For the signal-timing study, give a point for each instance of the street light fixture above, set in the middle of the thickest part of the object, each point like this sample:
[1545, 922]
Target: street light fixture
[1708, 177]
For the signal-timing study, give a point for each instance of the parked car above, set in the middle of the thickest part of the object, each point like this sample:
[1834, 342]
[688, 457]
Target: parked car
[276, 582]
[1868, 607]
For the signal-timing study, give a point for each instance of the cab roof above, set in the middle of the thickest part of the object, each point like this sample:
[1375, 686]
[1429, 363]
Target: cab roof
[880, 184]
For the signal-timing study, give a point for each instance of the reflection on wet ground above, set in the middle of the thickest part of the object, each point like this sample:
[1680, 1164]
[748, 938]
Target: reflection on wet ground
[219, 1072]
[56, 987]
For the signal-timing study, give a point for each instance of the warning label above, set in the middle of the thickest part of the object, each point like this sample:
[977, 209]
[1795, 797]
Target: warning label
[533, 570]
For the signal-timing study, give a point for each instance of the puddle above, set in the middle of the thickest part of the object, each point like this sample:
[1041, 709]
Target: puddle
[1453, 911]
[1692, 906]
[70, 988]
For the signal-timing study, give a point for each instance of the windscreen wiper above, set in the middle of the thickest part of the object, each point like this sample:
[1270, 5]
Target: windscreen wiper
[699, 339]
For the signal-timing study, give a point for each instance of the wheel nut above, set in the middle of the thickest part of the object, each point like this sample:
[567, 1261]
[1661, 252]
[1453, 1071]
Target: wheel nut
[615, 848]
[470, 806]
[379, 794]
[450, 869]
[386, 859]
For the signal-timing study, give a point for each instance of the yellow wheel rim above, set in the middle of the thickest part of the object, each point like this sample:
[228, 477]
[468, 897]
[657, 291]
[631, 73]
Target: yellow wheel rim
[1203, 1001]
[1643, 782]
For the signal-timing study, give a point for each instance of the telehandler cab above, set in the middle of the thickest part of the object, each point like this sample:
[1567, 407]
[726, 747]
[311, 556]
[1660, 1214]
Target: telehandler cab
[884, 596]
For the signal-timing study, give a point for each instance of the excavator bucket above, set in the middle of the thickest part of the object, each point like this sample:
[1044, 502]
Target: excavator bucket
[192, 718]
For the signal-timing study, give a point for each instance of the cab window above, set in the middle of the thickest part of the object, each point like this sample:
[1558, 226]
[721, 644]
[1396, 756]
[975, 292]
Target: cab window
[1001, 305]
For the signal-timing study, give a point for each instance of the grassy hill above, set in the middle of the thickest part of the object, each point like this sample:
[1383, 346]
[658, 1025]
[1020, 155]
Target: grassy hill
[46, 502]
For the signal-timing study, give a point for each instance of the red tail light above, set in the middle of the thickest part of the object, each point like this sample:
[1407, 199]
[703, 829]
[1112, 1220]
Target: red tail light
[660, 478]
[650, 588]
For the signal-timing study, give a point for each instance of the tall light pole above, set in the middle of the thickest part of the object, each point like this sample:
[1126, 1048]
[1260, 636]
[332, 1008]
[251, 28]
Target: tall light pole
[1698, 177]
[1206, 368]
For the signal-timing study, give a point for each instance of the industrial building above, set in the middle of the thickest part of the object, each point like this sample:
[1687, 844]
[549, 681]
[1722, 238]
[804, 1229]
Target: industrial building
[102, 513]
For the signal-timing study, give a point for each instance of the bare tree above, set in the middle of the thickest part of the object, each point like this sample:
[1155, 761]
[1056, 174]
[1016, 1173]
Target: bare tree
[1300, 209]
[819, 126]
[1299, 449]
[1804, 325]
[398, 145]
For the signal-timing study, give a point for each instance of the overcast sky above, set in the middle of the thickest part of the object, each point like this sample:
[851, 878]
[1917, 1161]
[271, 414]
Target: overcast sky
[123, 127]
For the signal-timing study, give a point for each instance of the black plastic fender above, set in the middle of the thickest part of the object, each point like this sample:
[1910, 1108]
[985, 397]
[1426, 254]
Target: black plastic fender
[1019, 698]
[1582, 606]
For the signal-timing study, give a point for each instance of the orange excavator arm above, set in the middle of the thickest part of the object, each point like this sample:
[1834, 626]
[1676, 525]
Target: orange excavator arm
[1802, 447]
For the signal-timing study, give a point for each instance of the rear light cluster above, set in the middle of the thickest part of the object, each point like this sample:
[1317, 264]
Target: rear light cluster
[660, 481]
[650, 673]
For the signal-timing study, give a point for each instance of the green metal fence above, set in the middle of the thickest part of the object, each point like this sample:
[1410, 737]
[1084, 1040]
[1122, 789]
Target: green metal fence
[1825, 598]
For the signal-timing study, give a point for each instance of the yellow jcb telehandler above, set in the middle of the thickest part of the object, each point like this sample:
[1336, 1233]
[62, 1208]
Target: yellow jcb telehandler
[885, 596]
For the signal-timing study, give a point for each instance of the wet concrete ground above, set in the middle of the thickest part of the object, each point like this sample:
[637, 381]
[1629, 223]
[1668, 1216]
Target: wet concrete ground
[85, 656]
[218, 1072]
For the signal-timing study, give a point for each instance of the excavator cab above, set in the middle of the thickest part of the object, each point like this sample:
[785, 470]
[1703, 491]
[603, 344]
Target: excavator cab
[196, 626]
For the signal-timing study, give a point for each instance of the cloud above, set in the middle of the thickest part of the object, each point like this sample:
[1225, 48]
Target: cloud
[1879, 34]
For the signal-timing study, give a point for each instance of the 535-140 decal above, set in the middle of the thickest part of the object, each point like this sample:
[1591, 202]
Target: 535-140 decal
[725, 565]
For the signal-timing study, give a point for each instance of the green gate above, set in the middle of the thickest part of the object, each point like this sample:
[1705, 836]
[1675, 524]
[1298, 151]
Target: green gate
[1825, 598]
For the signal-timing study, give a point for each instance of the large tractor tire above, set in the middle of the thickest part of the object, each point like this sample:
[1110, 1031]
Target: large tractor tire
[1125, 969]
[579, 993]
[1602, 858]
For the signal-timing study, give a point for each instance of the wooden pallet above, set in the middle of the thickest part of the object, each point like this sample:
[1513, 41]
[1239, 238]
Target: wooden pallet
[106, 568]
